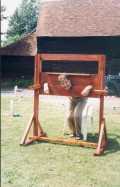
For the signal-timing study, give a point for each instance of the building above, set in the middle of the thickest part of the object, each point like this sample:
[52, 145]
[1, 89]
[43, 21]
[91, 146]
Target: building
[17, 59]
[68, 26]
[79, 26]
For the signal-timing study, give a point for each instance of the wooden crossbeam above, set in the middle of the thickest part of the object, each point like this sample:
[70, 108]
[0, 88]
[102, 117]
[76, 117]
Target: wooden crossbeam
[71, 57]
[59, 140]
[101, 92]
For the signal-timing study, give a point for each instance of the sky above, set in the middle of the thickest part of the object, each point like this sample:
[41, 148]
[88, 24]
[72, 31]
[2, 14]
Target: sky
[10, 5]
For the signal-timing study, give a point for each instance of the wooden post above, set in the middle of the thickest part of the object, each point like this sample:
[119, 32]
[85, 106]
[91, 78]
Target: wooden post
[102, 139]
[101, 111]
[36, 96]
[101, 73]
[37, 130]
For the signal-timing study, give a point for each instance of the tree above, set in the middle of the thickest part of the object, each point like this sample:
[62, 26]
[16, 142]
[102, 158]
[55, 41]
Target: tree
[2, 18]
[3, 9]
[23, 21]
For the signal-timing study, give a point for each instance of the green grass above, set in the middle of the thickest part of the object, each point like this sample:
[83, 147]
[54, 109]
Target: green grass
[49, 165]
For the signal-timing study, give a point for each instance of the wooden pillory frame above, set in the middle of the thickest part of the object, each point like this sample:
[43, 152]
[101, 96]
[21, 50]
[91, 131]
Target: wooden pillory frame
[79, 81]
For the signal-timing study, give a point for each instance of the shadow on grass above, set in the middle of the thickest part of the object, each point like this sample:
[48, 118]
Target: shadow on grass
[113, 144]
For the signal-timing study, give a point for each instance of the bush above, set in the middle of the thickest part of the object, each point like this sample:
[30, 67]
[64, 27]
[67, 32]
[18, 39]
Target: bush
[113, 84]
[20, 82]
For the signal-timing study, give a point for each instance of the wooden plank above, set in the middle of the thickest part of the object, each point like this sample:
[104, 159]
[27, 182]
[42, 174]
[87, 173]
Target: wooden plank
[78, 84]
[101, 111]
[70, 141]
[71, 74]
[27, 130]
[36, 95]
[70, 57]
[101, 71]
[100, 149]
[100, 92]
[37, 77]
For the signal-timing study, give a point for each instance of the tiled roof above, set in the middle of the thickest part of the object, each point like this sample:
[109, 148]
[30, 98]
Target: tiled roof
[27, 46]
[79, 18]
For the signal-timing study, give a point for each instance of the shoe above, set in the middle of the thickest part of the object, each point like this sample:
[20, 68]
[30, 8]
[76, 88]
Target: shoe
[72, 135]
[78, 138]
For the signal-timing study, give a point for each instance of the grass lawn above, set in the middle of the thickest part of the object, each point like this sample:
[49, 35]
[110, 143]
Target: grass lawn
[49, 165]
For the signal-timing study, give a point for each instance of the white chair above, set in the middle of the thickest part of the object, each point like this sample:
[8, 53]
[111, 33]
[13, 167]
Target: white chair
[87, 120]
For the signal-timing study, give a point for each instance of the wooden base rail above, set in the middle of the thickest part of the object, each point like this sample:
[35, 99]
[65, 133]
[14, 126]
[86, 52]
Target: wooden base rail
[68, 141]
